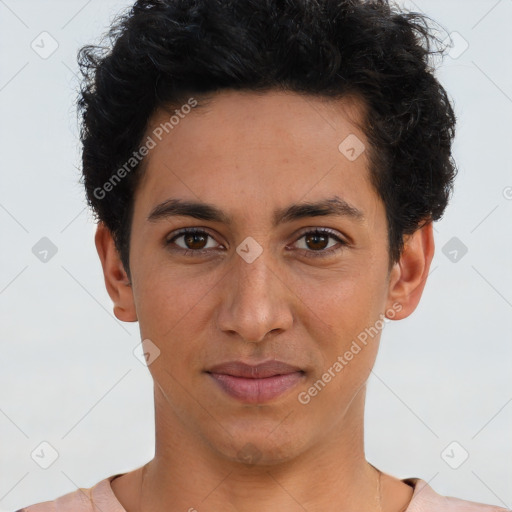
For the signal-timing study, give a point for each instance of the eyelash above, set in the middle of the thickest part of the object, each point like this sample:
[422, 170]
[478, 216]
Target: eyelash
[308, 253]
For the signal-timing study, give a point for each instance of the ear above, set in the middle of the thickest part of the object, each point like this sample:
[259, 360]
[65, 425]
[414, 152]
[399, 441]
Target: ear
[409, 275]
[116, 280]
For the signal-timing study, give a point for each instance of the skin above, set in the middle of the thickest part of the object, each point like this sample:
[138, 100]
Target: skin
[248, 155]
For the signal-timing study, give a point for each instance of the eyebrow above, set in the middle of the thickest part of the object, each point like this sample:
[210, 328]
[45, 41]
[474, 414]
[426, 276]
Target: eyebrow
[205, 211]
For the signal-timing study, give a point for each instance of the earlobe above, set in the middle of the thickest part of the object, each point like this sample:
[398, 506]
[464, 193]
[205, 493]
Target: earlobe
[409, 275]
[116, 280]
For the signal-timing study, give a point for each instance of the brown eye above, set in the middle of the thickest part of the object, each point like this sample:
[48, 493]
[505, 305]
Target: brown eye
[192, 241]
[316, 243]
[195, 240]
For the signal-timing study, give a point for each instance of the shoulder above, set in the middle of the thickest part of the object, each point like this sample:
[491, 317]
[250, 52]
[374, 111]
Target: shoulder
[81, 500]
[425, 499]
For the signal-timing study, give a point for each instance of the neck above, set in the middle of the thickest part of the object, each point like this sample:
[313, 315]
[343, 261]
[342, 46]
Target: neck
[330, 475]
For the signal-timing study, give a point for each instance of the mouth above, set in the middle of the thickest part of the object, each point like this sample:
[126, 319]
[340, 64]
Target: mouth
[256, 383]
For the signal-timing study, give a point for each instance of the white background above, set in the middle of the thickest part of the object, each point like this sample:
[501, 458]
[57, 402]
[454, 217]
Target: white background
[68, 374]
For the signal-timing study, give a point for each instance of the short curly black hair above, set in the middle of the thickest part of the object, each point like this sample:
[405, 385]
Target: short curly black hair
[162, 52]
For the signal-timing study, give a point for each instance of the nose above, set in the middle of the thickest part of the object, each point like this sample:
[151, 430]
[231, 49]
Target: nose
[255, 300]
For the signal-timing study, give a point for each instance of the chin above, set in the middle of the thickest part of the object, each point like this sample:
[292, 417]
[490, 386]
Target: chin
[261, 445]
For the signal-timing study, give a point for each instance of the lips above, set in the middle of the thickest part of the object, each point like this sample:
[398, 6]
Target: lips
[259, 371]
[256, 383]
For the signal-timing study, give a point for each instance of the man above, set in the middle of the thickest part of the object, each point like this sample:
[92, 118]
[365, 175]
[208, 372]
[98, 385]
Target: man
[265, 177]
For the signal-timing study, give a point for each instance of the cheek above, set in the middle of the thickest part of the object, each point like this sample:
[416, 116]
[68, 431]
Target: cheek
[342, 315]
[345, 302]
[345, 332]
[171, 306]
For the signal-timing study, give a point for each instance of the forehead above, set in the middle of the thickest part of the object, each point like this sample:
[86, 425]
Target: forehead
[247, 149]
[252, 119]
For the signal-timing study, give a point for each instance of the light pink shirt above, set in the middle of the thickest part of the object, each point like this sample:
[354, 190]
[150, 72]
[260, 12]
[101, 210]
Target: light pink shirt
[100, 498]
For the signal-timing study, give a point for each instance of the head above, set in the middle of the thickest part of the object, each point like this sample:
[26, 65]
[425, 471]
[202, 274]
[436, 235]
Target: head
[281, 119]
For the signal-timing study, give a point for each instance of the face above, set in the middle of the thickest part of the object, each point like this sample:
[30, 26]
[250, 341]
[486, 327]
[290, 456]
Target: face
[258, 278]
